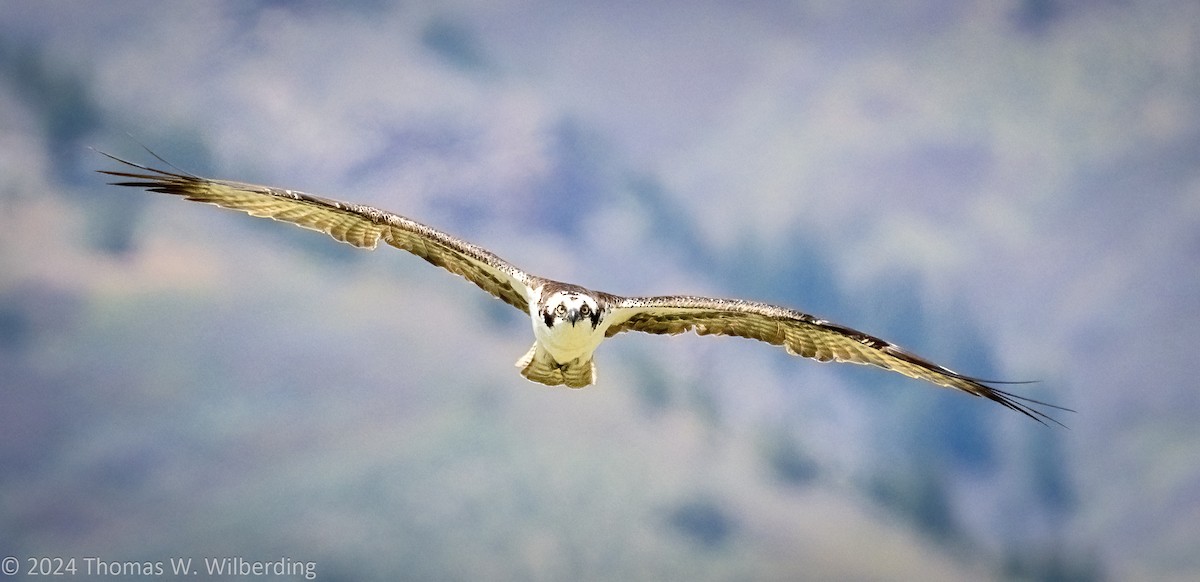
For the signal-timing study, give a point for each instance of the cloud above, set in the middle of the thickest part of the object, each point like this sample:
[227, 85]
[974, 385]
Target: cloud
[1008, 190]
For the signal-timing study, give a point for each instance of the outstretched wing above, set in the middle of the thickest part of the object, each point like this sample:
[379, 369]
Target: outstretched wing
[355, 224]
[801, 335]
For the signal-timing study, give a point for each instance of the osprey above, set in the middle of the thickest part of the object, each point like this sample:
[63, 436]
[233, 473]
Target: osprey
[568, 321]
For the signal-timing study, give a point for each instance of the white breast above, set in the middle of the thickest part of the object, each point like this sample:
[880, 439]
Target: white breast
[567, 342]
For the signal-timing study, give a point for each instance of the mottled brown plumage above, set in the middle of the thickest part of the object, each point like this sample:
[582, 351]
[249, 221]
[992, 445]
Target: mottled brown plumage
[354, 224]
[569, 321]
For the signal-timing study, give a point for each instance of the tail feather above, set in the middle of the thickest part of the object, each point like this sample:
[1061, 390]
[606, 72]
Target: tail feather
[539, 366]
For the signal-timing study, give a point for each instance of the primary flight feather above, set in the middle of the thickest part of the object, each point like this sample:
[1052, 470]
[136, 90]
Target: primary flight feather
[569, 321]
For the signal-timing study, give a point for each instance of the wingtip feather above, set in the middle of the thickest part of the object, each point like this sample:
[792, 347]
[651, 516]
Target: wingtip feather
[1024, 405]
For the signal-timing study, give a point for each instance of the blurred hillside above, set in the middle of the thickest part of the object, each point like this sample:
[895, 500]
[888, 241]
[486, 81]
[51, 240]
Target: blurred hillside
[1012, 189]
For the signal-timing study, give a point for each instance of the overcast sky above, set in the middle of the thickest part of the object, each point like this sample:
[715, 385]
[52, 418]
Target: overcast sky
[1009, 188]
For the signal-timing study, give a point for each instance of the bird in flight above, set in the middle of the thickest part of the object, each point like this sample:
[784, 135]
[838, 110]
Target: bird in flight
[569, 321]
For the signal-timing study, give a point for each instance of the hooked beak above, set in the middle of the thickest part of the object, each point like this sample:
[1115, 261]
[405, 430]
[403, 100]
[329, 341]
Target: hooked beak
[573, 316]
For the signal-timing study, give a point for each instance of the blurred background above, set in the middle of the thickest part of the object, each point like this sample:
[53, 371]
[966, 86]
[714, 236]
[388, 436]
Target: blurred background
[1009, 188]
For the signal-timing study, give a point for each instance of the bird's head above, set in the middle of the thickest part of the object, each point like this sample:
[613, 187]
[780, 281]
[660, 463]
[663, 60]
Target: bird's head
[570, 308]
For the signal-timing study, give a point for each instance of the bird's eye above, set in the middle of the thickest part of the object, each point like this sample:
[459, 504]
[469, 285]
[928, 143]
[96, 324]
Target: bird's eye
[561, 309]
[585, 309]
